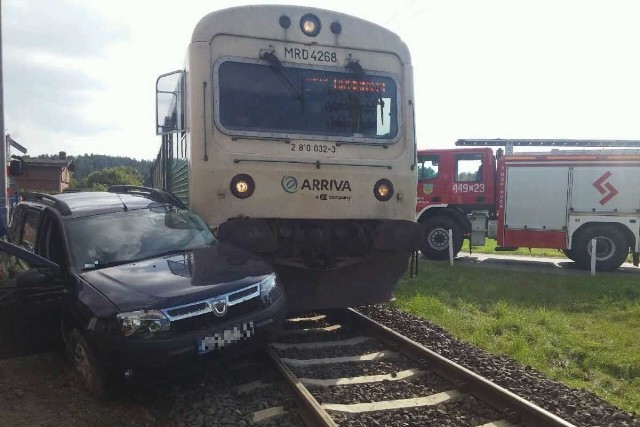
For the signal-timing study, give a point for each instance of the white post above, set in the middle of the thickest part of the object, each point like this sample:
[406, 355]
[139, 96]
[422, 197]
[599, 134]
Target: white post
[451, 247]
[594, 242]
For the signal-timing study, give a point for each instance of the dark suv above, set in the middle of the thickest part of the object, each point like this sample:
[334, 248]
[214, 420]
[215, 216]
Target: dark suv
[131, 280]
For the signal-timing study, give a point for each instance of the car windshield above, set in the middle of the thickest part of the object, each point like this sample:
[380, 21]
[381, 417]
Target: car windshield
[116, 238]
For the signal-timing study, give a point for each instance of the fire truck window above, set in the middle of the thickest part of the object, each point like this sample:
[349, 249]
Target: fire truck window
[428, 167]
[469, 167]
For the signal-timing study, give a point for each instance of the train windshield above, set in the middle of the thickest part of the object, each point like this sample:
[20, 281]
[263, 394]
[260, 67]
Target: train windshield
[292, 100]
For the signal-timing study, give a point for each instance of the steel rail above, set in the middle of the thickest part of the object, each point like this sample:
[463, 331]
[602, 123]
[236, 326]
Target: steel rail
[515, 408]
[311, 412]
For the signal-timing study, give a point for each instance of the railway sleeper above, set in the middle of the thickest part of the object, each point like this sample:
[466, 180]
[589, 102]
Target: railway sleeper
[314, 345]
[365, 379]
[386, 405]
[345, 359]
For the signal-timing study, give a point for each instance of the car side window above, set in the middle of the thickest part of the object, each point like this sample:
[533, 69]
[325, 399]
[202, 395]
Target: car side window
[10, 267]
[54, 249]
[30, 230]
[17, 219]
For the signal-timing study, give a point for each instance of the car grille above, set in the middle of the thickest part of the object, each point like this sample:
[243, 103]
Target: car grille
[206, 321]
[207, 313]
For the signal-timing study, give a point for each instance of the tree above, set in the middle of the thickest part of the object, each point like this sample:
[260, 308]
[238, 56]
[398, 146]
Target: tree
[102, 179]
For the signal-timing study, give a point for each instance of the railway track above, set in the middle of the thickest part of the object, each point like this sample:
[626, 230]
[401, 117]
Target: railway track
[346, 369]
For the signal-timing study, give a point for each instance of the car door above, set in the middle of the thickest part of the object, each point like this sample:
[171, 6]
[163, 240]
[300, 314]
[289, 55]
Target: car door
[31, 301]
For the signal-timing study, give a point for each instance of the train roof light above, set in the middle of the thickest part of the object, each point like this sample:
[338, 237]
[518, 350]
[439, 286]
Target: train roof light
[336, 28]
[310, 25]
[285, 21]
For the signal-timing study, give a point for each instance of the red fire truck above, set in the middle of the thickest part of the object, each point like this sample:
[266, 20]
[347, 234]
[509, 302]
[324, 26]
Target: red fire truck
[559, 199]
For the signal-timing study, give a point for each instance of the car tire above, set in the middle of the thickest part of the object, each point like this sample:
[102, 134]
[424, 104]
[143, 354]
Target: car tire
[436, 240]
[89, 370]
[611, 251]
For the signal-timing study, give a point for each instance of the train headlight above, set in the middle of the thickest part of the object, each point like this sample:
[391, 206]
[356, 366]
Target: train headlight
[383, 190]
[242, 186]
[310, 25]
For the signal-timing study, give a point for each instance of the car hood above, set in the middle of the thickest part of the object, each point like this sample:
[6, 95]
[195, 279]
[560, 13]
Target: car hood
[178, 279]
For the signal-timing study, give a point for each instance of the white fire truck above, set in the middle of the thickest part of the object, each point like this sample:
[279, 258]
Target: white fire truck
[560, 199]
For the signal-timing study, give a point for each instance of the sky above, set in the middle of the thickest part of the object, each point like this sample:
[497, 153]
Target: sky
[79, 76]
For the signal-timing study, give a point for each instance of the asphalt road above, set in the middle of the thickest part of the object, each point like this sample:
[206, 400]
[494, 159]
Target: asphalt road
[537, 264]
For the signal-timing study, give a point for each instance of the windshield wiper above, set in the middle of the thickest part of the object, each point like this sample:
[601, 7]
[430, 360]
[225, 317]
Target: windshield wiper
[279, 69]
[170, 252]
[114, 263]
[356, 68]
[99, 265]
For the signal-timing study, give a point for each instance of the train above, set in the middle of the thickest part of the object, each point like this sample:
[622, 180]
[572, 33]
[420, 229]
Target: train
[291, 131]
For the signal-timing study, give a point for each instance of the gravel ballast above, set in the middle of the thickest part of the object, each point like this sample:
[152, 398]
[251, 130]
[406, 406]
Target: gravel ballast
[579, 407]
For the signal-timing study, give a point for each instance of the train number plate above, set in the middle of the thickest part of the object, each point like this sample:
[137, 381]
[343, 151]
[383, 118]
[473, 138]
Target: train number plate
[226, 338]
[313, 148]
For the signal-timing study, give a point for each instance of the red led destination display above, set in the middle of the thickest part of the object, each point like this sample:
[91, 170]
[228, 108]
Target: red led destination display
[351, 85]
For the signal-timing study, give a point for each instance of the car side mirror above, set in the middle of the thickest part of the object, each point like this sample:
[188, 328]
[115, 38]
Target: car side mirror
[34, 278]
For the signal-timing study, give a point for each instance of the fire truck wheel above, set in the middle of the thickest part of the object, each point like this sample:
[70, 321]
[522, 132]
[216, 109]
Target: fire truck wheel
[569, 253]
[612, 247]
[436, 242]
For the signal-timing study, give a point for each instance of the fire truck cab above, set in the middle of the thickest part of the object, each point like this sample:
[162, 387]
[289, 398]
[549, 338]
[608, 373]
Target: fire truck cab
[559, 199]
[453, 183]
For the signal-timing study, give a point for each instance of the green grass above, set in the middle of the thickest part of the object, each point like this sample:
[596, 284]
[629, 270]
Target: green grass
[581, 330]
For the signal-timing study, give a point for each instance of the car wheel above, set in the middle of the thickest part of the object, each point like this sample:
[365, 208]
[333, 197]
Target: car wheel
[436, 241]
[612, 247]
[86, 365]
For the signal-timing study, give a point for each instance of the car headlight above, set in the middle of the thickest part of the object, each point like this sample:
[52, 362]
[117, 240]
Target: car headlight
[270, 290]
[144, 324]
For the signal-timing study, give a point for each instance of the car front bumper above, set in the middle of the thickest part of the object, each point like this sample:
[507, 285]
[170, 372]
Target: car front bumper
[118, 354]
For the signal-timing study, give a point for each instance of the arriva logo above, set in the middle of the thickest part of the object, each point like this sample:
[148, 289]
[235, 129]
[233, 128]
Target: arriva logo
[289, 184]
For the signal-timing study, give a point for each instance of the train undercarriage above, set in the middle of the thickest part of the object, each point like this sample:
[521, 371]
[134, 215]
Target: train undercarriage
[330, 263]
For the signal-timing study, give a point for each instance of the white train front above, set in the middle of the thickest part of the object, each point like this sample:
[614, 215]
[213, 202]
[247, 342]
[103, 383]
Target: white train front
[291, 130]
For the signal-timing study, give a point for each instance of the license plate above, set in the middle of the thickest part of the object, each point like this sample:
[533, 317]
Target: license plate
[225, 338]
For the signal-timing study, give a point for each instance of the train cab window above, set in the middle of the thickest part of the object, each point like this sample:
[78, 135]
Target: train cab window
[256, 98]
[428, 167]
[469, 167]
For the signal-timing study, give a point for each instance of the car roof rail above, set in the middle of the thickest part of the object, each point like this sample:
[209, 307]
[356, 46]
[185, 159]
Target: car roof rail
[154, 194]
[60, 205]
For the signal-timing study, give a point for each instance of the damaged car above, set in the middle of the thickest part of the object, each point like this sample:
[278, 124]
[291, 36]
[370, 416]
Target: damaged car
[131, 282]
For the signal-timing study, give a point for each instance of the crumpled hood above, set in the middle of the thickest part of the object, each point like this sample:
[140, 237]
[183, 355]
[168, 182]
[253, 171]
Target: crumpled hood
[178, 279]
